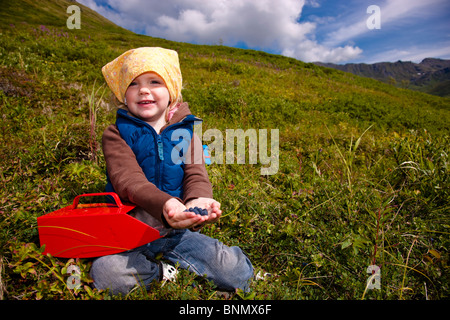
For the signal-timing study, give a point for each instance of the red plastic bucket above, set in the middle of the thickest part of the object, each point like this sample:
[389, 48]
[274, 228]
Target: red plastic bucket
[93, 230]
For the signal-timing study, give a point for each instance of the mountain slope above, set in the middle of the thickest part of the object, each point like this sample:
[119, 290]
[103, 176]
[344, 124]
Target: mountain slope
[52, 13]
[430, 76]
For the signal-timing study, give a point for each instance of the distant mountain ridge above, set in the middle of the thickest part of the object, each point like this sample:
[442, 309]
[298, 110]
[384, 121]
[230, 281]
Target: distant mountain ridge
[431, 75]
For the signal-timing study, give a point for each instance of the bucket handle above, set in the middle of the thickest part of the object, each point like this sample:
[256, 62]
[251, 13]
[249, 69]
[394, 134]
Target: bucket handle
[112, 194]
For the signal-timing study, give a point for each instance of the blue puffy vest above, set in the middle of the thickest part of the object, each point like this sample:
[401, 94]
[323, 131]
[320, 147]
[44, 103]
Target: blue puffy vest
[161, 156]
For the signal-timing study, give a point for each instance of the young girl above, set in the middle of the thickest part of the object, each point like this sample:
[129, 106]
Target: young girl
[155, 161]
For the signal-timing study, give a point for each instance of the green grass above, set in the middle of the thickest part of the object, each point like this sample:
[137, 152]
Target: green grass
[363, 176]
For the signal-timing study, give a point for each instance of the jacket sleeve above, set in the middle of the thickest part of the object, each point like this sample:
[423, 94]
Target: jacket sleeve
[196, 181]
[127, 177]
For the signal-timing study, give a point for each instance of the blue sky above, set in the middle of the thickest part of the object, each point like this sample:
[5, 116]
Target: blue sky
[308, 30]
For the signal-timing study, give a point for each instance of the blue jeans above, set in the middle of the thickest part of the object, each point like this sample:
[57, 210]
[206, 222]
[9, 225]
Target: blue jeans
[227, 267]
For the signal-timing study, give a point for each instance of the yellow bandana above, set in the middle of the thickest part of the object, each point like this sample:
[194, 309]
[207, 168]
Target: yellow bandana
[120, 72]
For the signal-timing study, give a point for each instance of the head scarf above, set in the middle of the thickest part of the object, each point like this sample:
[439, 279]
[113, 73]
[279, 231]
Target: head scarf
[120, 72]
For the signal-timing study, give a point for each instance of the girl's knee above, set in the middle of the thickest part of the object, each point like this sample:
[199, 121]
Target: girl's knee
[108, 275]
[235, 269]
[120, 273]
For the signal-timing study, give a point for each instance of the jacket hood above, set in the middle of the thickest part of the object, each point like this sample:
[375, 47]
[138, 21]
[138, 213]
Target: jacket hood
[182, 112]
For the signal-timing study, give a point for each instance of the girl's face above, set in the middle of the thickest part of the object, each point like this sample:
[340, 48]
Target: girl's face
[147, 98]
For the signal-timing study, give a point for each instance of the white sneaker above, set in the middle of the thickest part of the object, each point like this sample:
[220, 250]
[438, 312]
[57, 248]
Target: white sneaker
[262, 275]
[169, 272]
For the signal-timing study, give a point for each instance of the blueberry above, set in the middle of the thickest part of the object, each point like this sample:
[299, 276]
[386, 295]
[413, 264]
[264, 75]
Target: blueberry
[197, 210]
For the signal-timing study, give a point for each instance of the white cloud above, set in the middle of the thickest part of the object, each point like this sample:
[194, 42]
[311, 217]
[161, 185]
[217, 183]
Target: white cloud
[414, 54]
[311, 51]
[260, 24]
[392, 12]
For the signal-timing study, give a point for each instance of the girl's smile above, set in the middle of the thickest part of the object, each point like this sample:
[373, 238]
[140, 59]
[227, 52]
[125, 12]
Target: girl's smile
[147, 102]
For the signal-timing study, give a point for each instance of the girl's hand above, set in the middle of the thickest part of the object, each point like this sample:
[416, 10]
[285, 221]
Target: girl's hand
[177, 218]
[209, 204]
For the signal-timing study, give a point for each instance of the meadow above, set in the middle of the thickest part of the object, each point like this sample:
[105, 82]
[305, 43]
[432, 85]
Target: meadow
[362, 178]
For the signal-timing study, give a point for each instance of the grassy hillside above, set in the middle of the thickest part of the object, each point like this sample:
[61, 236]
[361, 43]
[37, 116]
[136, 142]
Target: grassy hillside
[362, 179]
